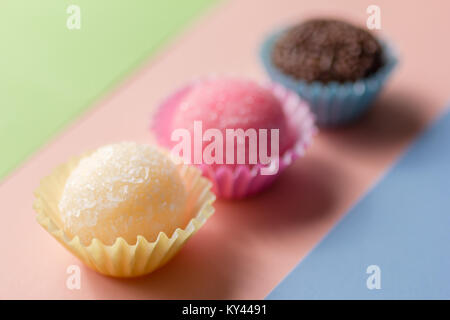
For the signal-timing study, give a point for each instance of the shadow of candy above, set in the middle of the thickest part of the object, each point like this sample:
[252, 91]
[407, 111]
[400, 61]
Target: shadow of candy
[395, 120]
[302, 194]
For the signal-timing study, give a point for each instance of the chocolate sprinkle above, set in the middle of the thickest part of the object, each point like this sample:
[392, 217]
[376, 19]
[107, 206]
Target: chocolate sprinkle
[327, 50]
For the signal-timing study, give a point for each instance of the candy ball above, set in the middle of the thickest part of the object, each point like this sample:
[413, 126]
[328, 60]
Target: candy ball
[123, 190]
[232, 103]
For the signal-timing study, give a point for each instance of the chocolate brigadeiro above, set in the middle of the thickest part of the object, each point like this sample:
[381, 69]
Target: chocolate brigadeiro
[327, 50]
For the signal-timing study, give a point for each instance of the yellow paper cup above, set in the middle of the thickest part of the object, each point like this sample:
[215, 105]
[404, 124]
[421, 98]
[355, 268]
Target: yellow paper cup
[122, 259]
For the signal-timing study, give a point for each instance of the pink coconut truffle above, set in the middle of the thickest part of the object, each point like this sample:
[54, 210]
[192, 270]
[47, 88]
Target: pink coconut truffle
[230, 103]
[249, 111]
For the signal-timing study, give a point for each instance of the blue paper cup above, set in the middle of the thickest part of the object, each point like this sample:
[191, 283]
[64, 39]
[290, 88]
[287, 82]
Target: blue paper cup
[333, 103]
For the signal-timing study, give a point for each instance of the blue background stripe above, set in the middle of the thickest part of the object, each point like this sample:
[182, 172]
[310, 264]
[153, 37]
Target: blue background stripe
[402, 225]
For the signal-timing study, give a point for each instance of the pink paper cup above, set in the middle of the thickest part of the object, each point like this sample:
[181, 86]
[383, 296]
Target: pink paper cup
[240, 181]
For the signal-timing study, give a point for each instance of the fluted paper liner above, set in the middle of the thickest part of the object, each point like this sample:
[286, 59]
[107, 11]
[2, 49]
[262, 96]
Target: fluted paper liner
[122, 259]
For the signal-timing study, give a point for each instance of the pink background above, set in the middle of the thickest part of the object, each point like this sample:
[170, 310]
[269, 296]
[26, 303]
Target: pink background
[248, 246]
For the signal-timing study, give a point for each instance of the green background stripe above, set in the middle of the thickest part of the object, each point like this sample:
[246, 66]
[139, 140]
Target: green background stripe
[50, 74]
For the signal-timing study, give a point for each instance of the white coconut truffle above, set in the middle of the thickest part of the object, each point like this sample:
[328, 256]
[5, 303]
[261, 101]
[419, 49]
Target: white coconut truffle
[123, 190]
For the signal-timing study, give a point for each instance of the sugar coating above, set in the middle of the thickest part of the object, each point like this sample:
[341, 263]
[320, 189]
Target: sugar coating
[123, 190]
[231, 103]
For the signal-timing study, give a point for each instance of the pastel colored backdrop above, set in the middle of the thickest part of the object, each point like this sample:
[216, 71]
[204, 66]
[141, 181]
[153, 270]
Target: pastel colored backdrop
[50, 74]
[247, 247]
